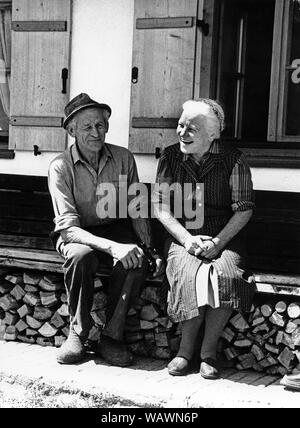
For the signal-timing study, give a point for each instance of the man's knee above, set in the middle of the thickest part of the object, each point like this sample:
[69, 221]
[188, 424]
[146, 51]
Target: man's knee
[80, 255]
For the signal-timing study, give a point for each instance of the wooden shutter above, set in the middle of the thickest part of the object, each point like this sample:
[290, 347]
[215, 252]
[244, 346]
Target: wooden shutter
[163, 69]
[40, 52]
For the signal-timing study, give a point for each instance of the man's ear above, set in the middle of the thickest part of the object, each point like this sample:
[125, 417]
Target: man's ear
[107, 126]
[71, 129]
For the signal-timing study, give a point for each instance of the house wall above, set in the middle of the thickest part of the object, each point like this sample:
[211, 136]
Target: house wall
[101, 66]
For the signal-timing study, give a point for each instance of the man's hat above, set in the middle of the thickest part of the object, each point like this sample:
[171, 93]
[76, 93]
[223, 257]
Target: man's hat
[80, 102]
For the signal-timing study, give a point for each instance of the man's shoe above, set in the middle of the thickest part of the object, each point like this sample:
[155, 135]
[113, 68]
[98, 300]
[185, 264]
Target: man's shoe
[114, 352]
[209, 369]
[178, 366]
[291, 381]
[72, 350]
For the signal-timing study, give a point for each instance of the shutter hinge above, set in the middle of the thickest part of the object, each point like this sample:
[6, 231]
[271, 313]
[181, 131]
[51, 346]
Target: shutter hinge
[204, 26]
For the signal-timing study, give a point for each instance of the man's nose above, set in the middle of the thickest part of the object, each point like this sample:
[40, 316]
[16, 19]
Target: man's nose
[95, 131]
[183, 131]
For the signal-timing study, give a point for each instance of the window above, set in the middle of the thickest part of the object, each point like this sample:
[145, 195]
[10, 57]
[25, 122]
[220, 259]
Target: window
[5, 63]
[258, 69]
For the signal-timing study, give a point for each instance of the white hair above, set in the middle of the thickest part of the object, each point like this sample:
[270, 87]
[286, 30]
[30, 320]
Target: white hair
[211, 109]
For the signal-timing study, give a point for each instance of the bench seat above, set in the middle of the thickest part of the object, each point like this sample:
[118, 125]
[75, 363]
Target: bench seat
[272, 235]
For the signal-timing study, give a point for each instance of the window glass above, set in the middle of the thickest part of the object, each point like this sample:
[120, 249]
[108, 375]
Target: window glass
[244, 66]
[292, 122]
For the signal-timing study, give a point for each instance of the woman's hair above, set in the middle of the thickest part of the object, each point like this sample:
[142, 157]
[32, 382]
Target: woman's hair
[214, 112]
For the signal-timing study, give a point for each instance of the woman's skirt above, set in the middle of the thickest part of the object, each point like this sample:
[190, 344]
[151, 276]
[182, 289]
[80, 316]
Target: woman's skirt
[225, 282]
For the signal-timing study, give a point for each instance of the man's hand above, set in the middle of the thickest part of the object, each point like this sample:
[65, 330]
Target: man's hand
[196, 244]
[130, 255]
[212, 248]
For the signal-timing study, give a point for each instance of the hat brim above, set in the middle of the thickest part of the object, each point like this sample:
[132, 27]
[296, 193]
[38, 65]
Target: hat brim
[97, 105]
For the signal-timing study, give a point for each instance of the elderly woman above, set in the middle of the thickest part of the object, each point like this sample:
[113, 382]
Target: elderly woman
[205, 265]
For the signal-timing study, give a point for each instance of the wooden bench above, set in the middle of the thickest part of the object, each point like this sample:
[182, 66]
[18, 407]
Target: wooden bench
[272, 235]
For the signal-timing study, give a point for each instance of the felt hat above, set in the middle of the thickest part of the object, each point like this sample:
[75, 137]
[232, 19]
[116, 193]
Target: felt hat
[81, 102]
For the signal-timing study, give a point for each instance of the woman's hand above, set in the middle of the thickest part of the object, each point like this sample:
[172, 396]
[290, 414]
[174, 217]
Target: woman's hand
[196, 244]
[212, 248]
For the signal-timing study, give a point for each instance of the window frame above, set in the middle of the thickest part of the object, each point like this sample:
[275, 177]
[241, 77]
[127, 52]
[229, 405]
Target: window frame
[5, 153]
[280, 151]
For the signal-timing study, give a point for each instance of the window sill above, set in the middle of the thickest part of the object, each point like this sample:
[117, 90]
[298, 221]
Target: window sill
[272, 157]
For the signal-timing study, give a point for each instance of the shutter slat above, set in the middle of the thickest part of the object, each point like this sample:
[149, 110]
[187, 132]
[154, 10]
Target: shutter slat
[39, 26]
[151, 23]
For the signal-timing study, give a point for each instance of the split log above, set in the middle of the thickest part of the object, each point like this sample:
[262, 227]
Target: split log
[33, 323]
[10, 333]
[257, 367]
[31, 332]
[242, 343]
[49, 298]
[50, 286]
[262, 327]
[276, 370]
[32, 299]
[53, 278]
[97, 283]
[148, 313]
[94, 334]
[17, 292]
[284, 339]
[272, 348]
[161, 339]
[131, 312]
[21, 325]
[258, 352]
[99, 317]
[230, 353]
[29, 288]
[5, 287]
[293, 310]
[268, 361]
[246, 360]
[165, 322]
[296, 337]
[25, 339]
[138, 348]
[42, 313]
[10, 319]
[147, 325]
[239, 323]
[14, 279]
[31, 278]
[2, 331]
[277, 319]
[66, 330]
[47, 330]
[286, 357]
[271, 333]
[228, 334]
[57, 321]
[8, 302]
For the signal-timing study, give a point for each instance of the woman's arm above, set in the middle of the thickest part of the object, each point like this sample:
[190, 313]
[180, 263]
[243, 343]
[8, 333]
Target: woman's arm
[232, 228]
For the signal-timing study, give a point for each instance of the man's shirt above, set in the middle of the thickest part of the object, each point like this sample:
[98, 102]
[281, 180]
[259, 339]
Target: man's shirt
[79, 195]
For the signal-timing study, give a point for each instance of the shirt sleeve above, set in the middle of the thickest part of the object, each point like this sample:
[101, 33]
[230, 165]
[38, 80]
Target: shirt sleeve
[59, 183]
[164, 179]
[241, 186]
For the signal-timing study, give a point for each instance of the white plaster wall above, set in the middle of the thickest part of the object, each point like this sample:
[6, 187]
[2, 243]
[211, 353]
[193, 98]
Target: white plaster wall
[101, 66]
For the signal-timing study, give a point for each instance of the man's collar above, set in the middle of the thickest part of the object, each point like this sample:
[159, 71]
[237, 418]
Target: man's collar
[106, 153]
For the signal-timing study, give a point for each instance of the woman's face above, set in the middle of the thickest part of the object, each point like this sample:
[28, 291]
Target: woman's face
[195, 133]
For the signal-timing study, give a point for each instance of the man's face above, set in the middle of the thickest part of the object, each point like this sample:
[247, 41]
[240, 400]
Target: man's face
[193, 133]
[90, 129]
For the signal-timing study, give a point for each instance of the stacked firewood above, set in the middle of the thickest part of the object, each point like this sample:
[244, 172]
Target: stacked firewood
[149, 331]
[33, 307]
[266, 340]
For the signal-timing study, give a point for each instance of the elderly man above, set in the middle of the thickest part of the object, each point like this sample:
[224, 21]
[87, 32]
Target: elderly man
[87, 235]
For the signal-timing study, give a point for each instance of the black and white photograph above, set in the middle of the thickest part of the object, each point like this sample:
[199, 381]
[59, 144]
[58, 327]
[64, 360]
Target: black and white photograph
[149, 207]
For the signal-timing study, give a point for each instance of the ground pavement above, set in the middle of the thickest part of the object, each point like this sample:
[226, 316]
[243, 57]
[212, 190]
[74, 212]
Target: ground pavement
[146, 384]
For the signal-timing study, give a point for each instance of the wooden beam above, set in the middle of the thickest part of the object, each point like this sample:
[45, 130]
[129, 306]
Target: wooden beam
[152, 23]
[49, 121]
[39, 25]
